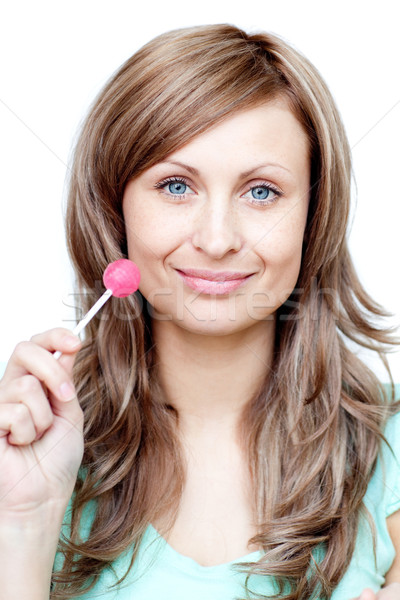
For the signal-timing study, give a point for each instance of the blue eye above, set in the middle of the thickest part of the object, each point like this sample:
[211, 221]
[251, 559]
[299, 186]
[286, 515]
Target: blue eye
[177, 187]
[263, 194]
[174, 186]
[260, 192]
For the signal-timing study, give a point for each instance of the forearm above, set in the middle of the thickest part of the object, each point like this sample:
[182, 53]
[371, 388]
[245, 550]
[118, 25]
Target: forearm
[28, 546]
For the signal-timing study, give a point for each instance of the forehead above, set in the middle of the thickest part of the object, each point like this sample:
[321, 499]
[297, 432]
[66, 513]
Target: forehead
[269, 132]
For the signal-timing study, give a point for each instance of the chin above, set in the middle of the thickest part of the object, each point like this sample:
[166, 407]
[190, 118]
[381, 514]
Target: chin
[211, 328]
[209, 319]
[216, 327]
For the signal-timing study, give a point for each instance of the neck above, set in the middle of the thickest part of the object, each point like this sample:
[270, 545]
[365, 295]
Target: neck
[209, 379]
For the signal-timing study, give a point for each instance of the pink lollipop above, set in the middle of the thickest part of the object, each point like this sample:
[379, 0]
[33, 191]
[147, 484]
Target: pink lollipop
[121, 278]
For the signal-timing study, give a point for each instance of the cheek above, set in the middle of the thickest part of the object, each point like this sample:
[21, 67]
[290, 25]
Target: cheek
[144, 233]
[158, 230]
[282, 253]
[150, 241]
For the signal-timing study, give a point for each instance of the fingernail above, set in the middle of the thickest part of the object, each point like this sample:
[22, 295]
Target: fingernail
[71, 341]
[67, 391]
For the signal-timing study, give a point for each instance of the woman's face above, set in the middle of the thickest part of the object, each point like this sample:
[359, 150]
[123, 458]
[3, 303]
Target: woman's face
[217, 227]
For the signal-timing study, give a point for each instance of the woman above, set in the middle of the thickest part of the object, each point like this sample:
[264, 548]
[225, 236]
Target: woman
[231, 437]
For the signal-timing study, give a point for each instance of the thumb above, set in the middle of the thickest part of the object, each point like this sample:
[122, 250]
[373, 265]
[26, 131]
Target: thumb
[67, 361]
[66, 404]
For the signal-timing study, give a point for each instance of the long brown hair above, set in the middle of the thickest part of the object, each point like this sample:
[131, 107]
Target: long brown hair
[320, 414]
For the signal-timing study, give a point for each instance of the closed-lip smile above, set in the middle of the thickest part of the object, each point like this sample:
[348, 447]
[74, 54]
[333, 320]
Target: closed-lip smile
[213, 282]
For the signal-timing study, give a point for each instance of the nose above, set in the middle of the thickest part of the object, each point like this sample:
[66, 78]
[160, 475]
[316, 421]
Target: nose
[216, 229]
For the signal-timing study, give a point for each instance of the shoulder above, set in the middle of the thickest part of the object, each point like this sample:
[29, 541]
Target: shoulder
[384, 486]
[391, 458]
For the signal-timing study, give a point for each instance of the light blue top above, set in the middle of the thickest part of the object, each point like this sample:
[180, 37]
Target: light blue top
[161, 573]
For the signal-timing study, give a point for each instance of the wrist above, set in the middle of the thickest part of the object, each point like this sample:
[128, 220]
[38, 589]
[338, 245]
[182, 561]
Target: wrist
[31, 524]
[28, 544]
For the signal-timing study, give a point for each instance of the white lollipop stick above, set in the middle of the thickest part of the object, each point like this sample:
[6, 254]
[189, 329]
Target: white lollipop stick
[88, 317]
[90, 314]
[121, 278]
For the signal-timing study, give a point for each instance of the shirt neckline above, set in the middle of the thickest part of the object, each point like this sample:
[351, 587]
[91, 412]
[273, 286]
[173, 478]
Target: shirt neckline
[188, 563]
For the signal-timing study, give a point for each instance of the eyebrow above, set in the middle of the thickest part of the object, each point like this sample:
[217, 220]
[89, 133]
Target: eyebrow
[244, 174]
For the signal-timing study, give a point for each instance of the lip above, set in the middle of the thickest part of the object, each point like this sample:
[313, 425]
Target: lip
[213, 282]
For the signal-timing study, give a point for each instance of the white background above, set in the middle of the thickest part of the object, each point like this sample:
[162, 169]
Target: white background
[55, 56]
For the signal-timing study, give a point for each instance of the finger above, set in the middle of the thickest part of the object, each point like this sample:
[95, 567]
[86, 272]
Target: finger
[29, 391]
[17, 424]
[52, 340]
[29, 358]
[67, 361]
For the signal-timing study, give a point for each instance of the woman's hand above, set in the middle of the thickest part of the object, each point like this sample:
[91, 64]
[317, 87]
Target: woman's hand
[41, 422]
[390, 592]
